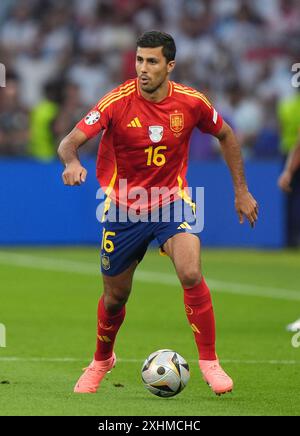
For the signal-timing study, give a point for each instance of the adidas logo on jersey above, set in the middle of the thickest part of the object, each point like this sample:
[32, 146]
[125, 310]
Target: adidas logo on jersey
[134, 123]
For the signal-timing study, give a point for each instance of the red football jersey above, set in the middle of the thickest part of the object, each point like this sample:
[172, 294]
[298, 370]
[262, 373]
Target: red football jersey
[147, 143]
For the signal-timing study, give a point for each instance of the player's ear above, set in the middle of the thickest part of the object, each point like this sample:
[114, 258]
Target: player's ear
[171, 66]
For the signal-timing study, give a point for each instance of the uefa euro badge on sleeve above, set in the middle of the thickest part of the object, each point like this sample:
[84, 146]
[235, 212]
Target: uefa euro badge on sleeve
[92, 118]
[156, 133]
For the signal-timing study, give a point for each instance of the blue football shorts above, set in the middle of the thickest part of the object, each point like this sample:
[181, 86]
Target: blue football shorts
[126, 242]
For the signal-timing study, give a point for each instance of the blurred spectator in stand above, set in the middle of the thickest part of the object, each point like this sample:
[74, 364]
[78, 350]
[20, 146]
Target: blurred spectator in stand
[92, 77]
[19, 31]
[70, 111]
[246, 114]
[288, 19]
[91, 44]
[266, 144]
[57, 33]
[106, 31]
[13, 120]
[242, 30]
[34, 71]
[42, 144]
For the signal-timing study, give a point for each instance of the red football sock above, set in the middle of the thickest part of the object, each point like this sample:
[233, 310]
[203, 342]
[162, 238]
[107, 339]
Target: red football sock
[199, 310]
[108, 326]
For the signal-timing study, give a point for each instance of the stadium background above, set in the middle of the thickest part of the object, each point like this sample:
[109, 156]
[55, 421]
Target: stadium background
[60, 57]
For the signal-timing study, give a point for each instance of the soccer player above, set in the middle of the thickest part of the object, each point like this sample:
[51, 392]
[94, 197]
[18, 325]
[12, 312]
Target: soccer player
[147, 125]
[285, 180]
[288, 112]
[292, 165]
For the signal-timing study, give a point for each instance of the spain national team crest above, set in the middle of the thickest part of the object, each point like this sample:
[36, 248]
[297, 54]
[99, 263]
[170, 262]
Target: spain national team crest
[105, 262]
[176, 122]
[156, 133]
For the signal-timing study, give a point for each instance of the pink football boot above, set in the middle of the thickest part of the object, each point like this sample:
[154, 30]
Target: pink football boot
[89, 382]
[215, 376]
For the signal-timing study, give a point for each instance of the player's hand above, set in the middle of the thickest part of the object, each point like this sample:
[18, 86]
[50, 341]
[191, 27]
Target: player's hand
[247, 206]
[284, 181]
[74, 174]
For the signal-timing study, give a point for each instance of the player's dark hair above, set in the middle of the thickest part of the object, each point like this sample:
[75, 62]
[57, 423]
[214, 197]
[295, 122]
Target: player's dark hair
[154, 39]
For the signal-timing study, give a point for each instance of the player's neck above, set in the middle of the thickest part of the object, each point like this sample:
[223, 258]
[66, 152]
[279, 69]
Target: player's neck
[157, 96]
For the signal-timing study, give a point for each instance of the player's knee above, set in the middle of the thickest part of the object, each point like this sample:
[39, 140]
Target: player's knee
[190, 277]
[114, 301]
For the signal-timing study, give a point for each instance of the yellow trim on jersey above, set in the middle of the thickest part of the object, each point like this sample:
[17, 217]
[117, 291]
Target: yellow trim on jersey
[192, 92]
[108, 191]
[199, 96]
[185, 197]
[116, 99]
[115, 93]
[112, 181]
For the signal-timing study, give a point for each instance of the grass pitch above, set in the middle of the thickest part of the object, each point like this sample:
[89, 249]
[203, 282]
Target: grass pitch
[48, 304]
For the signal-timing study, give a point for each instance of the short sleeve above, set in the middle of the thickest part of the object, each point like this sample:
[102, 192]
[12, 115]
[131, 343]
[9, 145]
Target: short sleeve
[210, 121]
[95, 121]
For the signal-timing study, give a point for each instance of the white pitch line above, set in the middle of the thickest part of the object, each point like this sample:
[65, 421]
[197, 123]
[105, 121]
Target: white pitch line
[89, 268]
[71, 359]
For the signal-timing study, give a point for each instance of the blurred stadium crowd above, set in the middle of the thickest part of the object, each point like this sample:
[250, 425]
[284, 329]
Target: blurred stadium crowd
[61, 56]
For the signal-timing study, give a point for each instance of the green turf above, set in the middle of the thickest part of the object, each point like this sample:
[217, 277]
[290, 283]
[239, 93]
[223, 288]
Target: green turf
[51, 314]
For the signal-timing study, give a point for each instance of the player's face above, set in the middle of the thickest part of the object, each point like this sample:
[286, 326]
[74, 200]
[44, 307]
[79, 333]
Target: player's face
[152, 68]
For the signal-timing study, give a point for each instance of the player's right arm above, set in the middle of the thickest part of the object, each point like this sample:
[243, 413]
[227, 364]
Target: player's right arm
[291, 166]
[96, 120]
[74, 173]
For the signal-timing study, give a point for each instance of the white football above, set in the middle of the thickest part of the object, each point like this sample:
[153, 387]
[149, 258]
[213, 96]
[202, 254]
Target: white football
[165, 373]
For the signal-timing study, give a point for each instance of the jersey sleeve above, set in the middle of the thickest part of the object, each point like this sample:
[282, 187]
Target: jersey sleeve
[209, 119]
[95, 121]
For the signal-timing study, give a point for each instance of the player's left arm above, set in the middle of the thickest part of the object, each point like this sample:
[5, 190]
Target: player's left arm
[245, 203]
